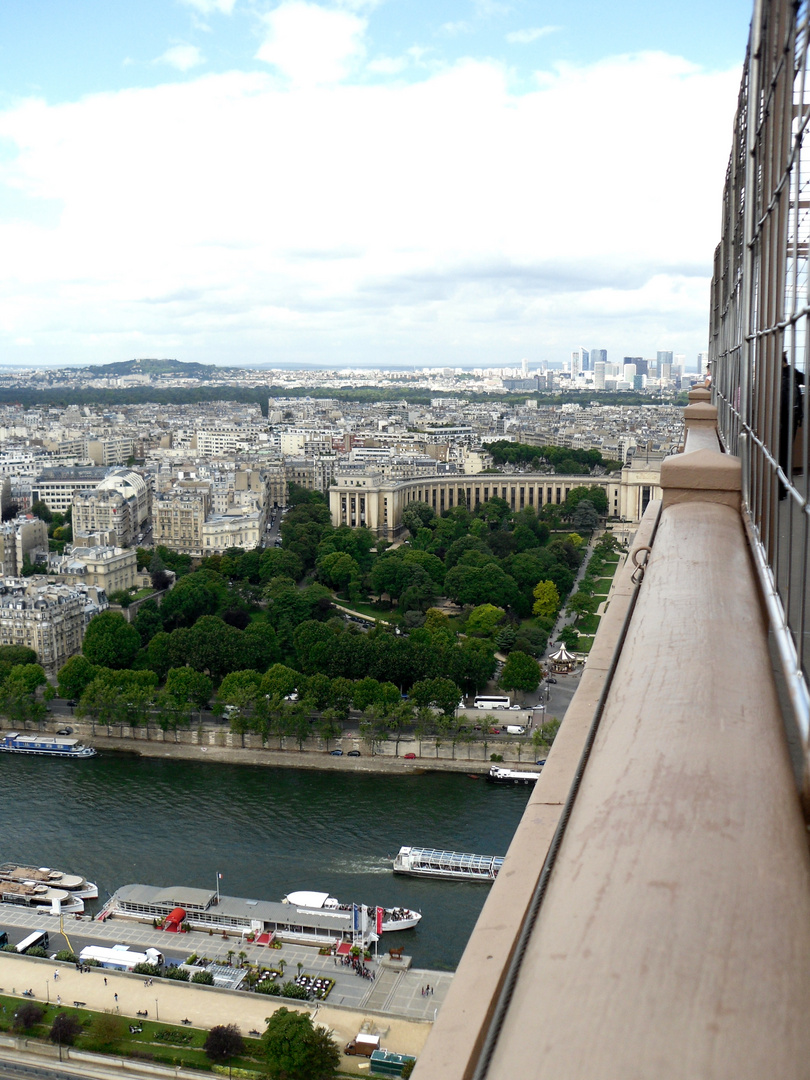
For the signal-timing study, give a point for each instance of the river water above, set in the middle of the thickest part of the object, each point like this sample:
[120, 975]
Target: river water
[119, 819]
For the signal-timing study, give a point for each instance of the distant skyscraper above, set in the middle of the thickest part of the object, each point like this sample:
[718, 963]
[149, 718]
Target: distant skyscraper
[586, 359]
[702, 362]
[664, 358]
[524, 368]
[576, 363]
[599, 375]
[641, 365]
[598, 356]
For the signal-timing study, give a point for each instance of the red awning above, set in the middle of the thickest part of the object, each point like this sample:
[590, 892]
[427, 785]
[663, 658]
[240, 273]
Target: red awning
[176, 916]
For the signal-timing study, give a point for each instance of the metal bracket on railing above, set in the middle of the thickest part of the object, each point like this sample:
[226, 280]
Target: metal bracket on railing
[638, 574]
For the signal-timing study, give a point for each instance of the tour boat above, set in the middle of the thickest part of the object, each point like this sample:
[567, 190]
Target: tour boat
[448, 865]
[396, 918]
[51, 745]
[75, 884]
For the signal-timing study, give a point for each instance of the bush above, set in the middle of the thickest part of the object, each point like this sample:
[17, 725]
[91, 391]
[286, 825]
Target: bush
[224, 1041]
[68, 956]
[37, 950]
[272, 989]
[204, 977]
[177, 973]
[147, 969]
[293, 990]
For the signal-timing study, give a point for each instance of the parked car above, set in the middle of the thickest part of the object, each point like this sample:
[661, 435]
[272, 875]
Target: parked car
[72, 703]
[551, 679]
[494, 731]
[515, 706]
[409, 757]
[336, 753]
[540, 761]
[65, 731]
[354, 753]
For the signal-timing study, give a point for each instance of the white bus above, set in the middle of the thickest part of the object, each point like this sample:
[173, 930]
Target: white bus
[484, 701]
[39, 937]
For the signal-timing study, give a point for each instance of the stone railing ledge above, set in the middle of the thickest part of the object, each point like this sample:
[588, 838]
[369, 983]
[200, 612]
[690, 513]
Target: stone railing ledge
[702, 476]
[700, 413]
[699, 393]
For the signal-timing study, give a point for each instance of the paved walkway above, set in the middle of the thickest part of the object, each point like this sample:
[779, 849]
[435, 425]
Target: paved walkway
[398, 1007]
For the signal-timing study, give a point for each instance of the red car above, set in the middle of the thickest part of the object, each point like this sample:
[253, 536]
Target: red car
[409, 757]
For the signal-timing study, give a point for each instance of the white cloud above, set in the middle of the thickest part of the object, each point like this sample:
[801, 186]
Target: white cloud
[209, 7]
[387, 65]
[182, 57]
[525, 37]
[227, 216]
[310, 44]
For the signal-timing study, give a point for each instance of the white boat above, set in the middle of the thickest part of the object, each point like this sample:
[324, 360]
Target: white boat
[448, 865]
[47, 745]
[497, 775]
[75, 884]
[36, 895]
[397, 918]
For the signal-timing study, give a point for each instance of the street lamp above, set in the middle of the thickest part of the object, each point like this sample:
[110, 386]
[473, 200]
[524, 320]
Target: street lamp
[157, 1014]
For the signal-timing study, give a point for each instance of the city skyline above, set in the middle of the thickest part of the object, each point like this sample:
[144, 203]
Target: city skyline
[356, 184]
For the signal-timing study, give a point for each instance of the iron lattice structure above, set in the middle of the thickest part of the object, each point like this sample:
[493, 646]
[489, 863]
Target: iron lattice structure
[760, 307]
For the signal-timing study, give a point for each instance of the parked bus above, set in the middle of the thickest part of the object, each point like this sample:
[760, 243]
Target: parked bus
[39, 937]
[484, 701]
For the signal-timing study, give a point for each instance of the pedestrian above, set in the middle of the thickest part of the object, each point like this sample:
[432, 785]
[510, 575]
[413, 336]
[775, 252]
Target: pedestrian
[105, 981]
[116, 998]
[55, 976]
[58, 1000]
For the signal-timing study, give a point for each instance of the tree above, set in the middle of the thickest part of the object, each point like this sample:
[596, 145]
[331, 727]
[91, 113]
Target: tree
[546, 599]
[75, 676]
[110, 641]
[18, 699]
[484, 619]
[521, 673]
[27, 1016]
[65, 1029]
[581, 603]
[569, 637]
[296, 1050]
[585, 518]
[224, 1042]
[41, 510]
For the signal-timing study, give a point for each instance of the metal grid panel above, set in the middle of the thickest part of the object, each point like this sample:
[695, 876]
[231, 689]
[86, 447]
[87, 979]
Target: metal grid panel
[760, 306]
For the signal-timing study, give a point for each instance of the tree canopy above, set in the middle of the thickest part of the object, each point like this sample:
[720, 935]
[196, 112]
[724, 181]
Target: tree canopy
[296, 1049]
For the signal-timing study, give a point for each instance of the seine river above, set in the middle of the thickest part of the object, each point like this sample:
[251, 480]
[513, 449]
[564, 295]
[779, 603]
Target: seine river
[119, 819]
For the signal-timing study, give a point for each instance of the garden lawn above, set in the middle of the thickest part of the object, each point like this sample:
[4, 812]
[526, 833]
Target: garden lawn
[164, 1043]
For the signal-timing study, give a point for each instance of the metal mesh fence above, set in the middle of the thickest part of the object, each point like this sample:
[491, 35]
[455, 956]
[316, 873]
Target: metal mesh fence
[760, 306]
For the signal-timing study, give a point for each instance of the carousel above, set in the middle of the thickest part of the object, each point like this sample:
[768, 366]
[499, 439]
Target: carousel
[562, 661]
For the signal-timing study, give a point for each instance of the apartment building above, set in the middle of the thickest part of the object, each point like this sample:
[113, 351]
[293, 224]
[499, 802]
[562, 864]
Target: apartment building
[21, 540]
[57, 486]
[232, 529]
[179, 515]
[108, 568]
[113, 450]
[46, 617]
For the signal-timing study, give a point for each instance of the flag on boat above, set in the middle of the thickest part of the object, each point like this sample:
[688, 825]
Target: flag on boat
[219, 877]
[379, 919]
[355, 918]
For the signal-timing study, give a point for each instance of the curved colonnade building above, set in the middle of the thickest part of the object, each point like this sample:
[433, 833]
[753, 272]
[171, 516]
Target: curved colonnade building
[369, 499]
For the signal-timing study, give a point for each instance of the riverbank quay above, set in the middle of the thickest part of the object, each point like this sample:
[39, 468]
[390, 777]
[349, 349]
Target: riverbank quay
[394, 993]
[215, 744]
[171, 1002]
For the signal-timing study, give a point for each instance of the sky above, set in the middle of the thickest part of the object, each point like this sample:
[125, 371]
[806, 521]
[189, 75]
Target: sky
[381, 183]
